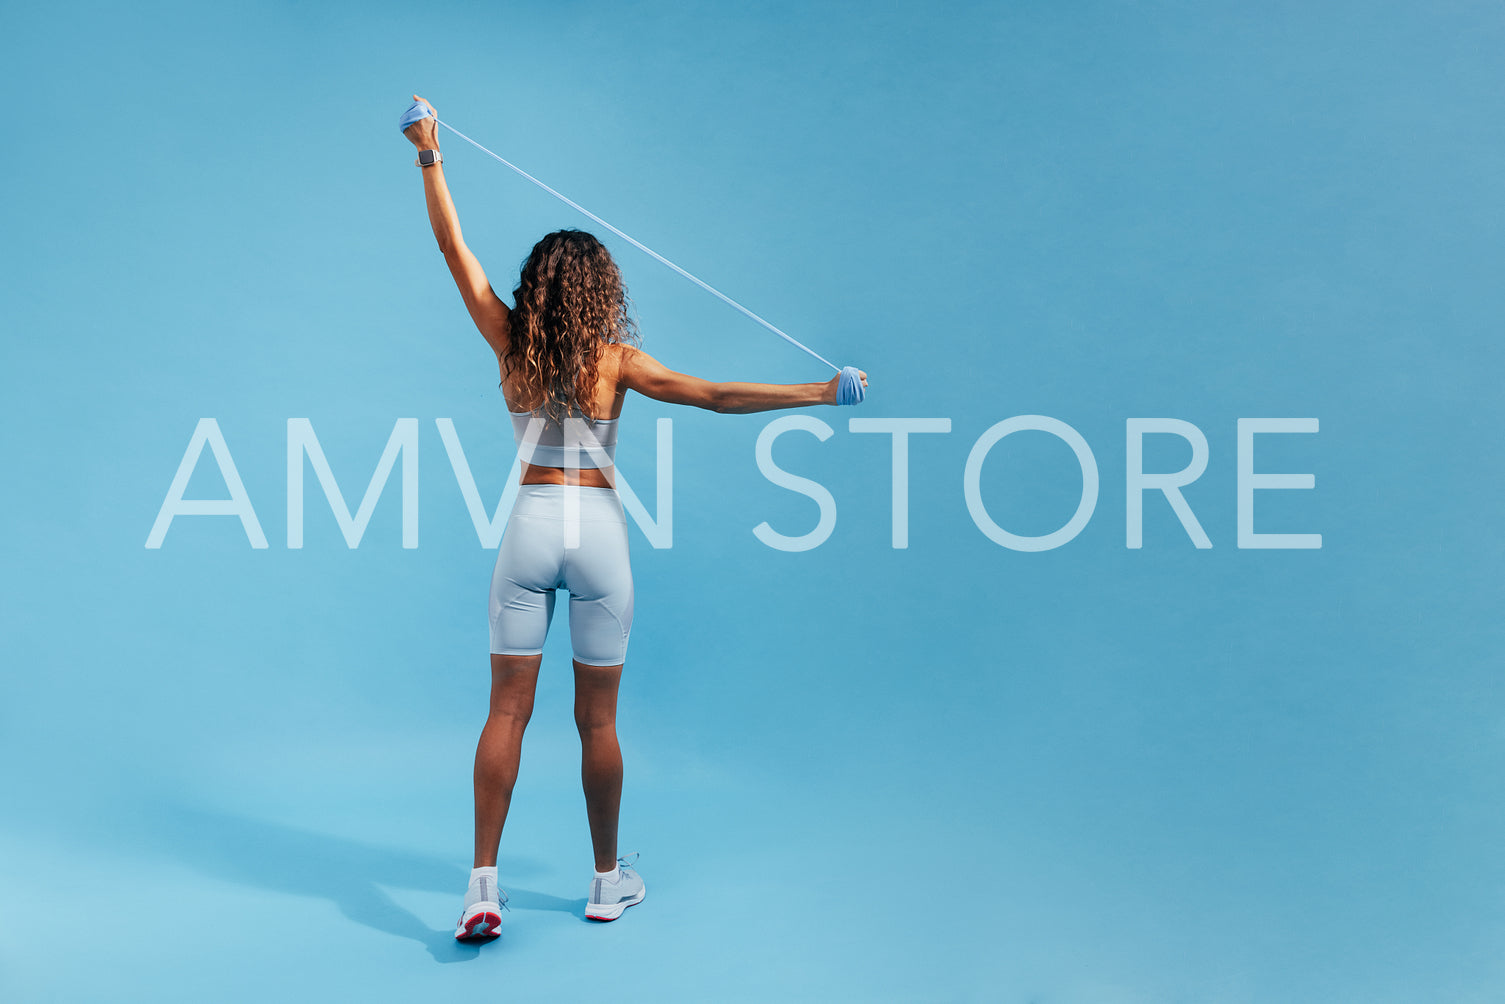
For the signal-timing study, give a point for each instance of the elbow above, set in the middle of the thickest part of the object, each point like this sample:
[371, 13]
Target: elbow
[720, 401]
[451, 244]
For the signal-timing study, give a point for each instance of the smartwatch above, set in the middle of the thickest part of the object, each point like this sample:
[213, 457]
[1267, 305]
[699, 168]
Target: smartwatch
[428, 158]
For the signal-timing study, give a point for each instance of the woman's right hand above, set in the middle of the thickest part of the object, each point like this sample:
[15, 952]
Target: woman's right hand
[830, 395]
[424, 133]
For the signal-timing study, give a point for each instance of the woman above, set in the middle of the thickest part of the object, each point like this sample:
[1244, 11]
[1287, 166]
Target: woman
[567, 360]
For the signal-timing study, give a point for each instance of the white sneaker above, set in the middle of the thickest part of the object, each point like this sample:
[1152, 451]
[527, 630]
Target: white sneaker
[609, 899]
[481, 919]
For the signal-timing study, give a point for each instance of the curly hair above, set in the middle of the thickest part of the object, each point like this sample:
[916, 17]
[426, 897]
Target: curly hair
[571, 301]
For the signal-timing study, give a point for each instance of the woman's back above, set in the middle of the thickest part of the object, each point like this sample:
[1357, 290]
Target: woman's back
[576, 443]
[602, 401]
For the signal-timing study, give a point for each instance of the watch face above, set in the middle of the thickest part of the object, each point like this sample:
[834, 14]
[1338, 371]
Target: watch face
[428, 157]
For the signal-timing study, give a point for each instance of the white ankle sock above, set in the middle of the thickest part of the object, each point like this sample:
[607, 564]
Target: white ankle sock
[482, 886]
[615, 875]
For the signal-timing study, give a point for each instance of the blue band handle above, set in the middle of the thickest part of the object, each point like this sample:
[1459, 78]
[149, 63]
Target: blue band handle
[417, 113]
[849, 389]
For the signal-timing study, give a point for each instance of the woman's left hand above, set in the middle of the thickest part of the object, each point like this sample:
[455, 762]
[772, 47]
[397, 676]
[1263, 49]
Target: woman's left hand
[425, 132]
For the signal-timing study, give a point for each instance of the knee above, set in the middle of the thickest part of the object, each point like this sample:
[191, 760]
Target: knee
[595, 722]
[511, 714]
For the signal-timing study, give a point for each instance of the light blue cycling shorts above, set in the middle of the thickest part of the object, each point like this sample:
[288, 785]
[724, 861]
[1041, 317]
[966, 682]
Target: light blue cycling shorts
[533, 561]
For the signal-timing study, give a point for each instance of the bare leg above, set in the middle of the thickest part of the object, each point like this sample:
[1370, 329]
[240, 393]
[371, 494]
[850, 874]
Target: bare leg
[514, 679]
[600, 756]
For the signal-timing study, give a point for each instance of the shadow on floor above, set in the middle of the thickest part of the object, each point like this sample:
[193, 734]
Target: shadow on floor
[348, 873]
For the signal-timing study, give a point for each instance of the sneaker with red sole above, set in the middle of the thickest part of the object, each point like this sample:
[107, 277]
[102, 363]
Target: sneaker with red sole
[481, 920]
[609, 899]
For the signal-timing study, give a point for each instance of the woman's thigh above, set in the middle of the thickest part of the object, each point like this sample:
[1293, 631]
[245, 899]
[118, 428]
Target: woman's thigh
[527, 571]
[599, 577]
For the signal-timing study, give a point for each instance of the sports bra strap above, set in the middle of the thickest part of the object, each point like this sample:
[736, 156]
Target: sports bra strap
[578, 442]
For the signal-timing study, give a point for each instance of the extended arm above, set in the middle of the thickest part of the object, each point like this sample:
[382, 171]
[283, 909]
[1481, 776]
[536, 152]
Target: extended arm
[646, 375]
[486, 308]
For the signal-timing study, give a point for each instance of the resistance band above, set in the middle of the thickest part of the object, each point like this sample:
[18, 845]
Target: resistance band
[849, 389]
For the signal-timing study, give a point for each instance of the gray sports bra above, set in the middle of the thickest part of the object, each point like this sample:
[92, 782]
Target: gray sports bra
[578, 442]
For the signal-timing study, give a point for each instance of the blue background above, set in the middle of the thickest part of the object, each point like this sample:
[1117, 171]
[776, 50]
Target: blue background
[952, 772]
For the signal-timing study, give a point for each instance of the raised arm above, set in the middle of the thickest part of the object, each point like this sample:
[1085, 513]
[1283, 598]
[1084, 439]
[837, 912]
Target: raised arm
[646, 375]
[486, 308]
